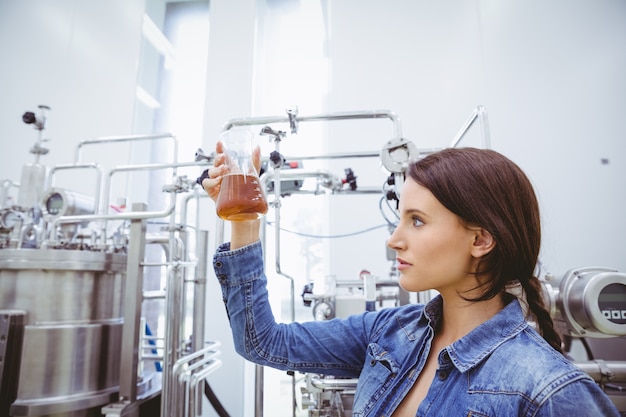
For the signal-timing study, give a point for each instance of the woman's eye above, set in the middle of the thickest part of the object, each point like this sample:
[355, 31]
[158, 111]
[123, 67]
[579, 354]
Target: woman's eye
[416, 221]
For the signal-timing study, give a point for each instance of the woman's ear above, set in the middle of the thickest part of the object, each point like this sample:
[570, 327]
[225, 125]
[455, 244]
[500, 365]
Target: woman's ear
[483, 243]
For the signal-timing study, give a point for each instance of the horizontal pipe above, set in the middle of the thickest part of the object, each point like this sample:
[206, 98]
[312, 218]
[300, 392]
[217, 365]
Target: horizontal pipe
[131, 215]
[151, 356]
[90, 165]
[335, 156]
[153, 295]
[148, 167]
[208, 350]
[374, 114]
[120, 139]
[142, 167]
[597, 370]
[334, 384]
[342, 191]
[332, 181]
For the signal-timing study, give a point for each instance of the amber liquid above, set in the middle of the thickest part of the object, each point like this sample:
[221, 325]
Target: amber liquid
[241, 198]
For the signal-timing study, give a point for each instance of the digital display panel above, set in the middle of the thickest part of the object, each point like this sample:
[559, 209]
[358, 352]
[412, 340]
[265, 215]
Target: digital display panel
[54, 205]
[612, 303]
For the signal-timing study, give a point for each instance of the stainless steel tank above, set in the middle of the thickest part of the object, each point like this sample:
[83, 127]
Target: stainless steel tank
[71, 327]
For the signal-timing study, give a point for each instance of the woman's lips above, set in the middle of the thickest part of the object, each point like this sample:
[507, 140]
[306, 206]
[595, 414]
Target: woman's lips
[402, 264]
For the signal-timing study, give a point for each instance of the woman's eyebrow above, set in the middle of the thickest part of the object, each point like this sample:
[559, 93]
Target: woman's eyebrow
[410, 211]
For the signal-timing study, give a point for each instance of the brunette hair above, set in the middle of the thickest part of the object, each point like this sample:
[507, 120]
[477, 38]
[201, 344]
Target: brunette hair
[486, 189]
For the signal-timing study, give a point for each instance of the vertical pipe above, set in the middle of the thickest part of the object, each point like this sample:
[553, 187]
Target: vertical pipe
[133, 297]
[292, 292]
[258, 391]
[369, 289]
[484, 127]
[174, 320]
[199, 293]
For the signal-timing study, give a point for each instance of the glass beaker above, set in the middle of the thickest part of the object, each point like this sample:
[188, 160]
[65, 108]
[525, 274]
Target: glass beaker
[241, 196]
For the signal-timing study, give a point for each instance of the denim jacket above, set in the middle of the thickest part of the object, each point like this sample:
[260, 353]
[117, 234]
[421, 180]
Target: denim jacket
[502, 368]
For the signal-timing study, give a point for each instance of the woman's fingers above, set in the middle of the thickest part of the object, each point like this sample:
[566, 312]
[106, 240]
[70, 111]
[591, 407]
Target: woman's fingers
[211, 184]
[212, 178]
[256, 158]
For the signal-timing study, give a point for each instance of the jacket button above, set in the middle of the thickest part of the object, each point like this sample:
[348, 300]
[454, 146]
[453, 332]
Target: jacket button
[373, 362]
[218, 264]
[442, 375]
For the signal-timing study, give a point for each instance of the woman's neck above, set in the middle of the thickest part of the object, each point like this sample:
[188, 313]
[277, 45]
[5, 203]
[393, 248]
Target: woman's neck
[459, 317]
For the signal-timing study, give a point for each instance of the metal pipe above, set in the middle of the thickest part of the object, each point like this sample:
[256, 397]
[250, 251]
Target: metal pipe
[120, 139]
[4, 191]
[202, 244]
[118, 216]
[333, 384]
[258, 390]
[342, 191]
[374, 114]
[151, 355]
[199, 305]
[180, 369]
[331, 181]
[141, 167]
[335, 156]
[195, 355]
[199, 292]
[153, 295]
[133, 293]
[93, 165]
[604, 371]
[194, 403]
[277, 207]
[171, 342]
[479, 114]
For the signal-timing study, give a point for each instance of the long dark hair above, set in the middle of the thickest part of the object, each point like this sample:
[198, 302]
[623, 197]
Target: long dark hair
[486, 189]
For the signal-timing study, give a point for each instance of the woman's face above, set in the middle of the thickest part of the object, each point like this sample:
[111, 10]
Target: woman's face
[434, 249]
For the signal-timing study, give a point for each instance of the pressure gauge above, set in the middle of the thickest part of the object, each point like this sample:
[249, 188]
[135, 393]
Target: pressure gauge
[591, 302]
[396, 154]
[323, 310]
[58, 202]
[55, 204]
[9, 218]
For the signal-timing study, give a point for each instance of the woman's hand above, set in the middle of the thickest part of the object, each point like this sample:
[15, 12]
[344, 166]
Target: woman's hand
[220, 168]
[243, 232]
[212, 184]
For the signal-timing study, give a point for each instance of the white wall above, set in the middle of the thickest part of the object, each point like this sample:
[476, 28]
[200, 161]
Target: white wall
[550, 75]
[557, 96]
[80, 58]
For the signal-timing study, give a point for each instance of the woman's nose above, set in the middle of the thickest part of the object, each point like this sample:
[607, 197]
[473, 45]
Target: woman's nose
[394, 241]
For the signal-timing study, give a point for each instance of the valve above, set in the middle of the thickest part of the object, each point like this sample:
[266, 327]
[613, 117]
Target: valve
[350, 179]
[30, 118]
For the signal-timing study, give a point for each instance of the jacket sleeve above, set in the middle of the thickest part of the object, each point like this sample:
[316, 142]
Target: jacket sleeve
[334, 347]
[580, 397]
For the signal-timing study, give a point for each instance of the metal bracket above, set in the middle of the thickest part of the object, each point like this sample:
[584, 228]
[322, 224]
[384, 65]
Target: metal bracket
[121, 408]
[605, 372]
[11, 335]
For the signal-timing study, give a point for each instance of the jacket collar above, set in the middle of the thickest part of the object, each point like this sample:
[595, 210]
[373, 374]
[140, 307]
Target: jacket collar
[472, 348]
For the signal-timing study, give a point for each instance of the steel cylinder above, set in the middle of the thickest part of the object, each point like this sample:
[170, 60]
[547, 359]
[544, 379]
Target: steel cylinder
[72, 325]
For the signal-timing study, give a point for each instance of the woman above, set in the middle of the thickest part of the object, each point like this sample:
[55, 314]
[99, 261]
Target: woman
[469, 228]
